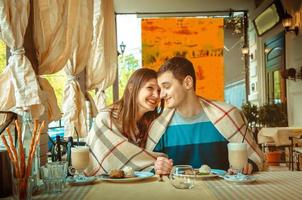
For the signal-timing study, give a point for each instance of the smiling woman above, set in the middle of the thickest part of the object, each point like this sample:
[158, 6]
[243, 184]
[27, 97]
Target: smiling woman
[124, 126]
[136, 109]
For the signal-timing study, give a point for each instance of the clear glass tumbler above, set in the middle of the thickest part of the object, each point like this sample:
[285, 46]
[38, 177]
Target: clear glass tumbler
[54, 176]
[182, 176]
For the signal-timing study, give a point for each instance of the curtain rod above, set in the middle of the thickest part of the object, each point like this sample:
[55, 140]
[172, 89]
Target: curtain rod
[187, 12]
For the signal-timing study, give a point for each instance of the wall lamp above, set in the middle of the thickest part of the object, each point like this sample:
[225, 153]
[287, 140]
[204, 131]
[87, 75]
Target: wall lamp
[245, 51]
[122, 47]
[292, 74]
[287, 22]
[267, 50]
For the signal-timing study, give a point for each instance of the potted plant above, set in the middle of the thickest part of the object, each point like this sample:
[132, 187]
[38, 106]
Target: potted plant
[251, 113]
[272, 115]
[267, 115]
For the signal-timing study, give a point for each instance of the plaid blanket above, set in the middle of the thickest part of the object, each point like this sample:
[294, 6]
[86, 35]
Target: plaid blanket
[109, 149]
[228, 120]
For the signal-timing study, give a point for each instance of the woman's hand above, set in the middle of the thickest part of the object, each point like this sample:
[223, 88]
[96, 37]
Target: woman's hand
[163, 165]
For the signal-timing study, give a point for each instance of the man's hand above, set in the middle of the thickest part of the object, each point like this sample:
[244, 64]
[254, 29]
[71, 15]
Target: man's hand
[248, 168]
[163, 165]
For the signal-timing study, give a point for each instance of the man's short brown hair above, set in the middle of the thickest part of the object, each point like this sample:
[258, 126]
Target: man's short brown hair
[180, 68]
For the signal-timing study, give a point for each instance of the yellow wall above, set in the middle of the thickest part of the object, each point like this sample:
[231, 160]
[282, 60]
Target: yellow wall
[199, 40]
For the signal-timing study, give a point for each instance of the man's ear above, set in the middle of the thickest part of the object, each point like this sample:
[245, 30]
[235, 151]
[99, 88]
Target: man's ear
[188, 82]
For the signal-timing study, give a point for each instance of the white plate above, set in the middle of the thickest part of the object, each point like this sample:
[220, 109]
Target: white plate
[218, 172]
[232, 178]
[214, 173]
[202, 176]
[137, 177]
[86, 181]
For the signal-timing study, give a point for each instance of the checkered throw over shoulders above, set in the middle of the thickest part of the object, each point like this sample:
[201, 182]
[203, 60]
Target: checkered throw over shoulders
[228, 120]
[109, 149]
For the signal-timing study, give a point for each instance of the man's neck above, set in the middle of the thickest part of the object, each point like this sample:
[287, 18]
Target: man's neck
[190, 107]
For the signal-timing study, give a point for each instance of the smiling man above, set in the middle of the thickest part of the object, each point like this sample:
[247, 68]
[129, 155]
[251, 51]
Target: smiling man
[193, 130]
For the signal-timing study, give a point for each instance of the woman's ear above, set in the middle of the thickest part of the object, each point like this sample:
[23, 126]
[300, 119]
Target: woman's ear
[188, 82]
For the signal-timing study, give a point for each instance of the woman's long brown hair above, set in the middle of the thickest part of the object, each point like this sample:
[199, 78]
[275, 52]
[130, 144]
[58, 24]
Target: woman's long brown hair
[124, 112]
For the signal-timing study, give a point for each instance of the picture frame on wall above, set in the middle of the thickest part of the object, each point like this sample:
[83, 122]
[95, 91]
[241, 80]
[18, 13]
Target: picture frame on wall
[269, 18]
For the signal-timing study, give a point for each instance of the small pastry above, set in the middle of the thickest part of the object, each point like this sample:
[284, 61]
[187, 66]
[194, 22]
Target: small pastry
[204, 169]
[129, 172]
[116, 173]
[188, 172]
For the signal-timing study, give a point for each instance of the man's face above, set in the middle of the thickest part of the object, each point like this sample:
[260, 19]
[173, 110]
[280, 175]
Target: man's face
[172, 90]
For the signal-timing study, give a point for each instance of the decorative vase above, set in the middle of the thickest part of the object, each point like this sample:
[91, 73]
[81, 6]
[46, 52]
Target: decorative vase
[27, 131]
[22, 188]
[273, 158]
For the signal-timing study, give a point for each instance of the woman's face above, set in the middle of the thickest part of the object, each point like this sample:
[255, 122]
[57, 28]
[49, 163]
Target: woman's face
[148, 96]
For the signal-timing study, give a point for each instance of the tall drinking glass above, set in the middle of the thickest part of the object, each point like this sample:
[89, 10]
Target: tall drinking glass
[237, 157]
[80, 160]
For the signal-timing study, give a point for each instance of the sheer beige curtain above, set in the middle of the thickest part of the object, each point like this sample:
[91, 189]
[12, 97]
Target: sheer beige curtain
[74, 106]
[54, 27]
[18, 84]
[102, 63]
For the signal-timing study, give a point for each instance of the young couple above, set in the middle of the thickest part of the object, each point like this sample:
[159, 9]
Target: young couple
[137, 132]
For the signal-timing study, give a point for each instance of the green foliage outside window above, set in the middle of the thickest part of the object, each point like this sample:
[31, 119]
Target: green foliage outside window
[109, 95]
[127, 65]
[2, 56]
[57, 81]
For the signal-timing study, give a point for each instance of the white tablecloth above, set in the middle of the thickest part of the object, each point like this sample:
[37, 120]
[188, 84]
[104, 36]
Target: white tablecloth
[278, 135]
[277, 185]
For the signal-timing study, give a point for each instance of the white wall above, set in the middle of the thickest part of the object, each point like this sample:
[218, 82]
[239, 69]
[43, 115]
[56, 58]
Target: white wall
[293, 57]
[294, 60]
[254, 67]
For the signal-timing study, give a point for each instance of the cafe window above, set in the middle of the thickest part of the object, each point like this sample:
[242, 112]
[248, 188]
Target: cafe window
[275, 84]
[129, 51]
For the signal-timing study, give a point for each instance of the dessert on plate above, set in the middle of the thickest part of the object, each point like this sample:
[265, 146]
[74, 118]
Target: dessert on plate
[204, 170]
[189, 172]
[129, 172]
[116, 173]
[126, 172]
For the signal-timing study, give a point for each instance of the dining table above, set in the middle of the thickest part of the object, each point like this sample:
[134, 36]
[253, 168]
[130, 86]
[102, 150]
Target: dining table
[277, 185]
[279, 136]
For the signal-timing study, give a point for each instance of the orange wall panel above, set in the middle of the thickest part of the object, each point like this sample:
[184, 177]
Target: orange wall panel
[199, 40]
